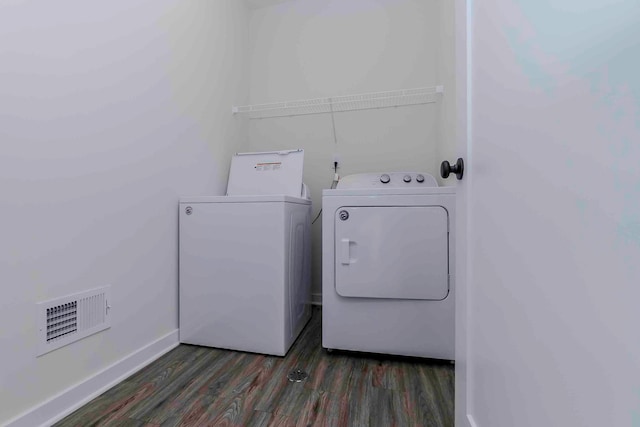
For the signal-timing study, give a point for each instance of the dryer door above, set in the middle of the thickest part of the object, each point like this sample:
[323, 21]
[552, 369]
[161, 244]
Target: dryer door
[394, 252]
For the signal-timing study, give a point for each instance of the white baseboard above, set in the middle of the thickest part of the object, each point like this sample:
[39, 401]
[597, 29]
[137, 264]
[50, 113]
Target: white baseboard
[74, 397]
[471, 421]
[316, 299]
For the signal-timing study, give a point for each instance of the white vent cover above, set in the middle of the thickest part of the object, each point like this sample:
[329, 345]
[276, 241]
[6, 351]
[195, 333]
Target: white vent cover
[68, 319]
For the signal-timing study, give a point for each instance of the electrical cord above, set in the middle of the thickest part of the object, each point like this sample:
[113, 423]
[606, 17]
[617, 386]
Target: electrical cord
[335, 164]
[318, 216]
[333, 185]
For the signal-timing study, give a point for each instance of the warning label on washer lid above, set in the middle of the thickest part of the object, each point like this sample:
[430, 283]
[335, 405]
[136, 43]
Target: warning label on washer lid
[271, 166]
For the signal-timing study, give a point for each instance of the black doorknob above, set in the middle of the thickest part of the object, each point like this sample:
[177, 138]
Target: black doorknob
[446, 169]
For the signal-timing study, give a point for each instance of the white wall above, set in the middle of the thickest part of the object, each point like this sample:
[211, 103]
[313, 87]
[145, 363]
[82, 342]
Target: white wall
[555, 222]
[448, 77]
[314, 48]
[109, 111]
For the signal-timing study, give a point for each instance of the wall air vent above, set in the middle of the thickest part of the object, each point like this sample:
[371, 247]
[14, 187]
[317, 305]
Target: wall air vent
[62, 320]
[68, 319]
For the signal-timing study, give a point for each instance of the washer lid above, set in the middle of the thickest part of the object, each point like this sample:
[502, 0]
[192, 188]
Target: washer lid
[273, 172]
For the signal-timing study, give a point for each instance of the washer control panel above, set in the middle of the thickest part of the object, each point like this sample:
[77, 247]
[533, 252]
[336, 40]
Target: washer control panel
[387, 180]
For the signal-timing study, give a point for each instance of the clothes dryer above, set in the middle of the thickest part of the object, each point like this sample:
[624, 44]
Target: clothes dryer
[388, 263]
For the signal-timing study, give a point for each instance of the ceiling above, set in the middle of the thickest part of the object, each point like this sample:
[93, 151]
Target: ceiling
[255, 4]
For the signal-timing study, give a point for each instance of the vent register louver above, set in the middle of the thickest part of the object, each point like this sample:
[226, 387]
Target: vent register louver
[62, 320]
[71, 318]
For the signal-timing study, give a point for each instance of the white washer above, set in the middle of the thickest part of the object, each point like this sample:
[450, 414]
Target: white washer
[387, 265]
[245, 257]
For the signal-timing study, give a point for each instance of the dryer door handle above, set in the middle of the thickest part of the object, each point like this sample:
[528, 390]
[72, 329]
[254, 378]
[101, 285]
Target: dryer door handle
[345, 257]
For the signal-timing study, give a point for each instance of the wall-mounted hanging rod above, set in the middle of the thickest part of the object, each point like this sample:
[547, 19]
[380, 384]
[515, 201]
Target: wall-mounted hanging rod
[336, 104]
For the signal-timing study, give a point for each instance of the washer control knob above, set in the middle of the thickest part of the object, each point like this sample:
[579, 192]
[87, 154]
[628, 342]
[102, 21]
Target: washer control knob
[384, 178]
[407, 178]
[420, 178]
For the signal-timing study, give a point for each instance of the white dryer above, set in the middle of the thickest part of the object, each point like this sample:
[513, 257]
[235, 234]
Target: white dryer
[245, 257]
[387, 265]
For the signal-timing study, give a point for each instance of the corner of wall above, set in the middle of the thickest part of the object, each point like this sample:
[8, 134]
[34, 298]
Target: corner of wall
[69, 400]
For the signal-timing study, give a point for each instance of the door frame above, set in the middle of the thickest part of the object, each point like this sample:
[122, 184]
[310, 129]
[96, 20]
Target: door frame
[463, 369]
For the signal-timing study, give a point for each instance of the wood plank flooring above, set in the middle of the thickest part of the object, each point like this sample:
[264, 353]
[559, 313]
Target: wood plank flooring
[199, 386]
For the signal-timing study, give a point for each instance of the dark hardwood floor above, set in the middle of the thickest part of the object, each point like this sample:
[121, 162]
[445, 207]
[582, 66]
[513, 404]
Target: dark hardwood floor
[199, 386]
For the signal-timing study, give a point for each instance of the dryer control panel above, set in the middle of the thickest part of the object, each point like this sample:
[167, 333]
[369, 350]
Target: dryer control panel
[387, 180]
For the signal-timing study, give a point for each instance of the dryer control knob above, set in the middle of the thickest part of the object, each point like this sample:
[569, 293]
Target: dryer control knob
[384, 178]
[420, 178]
[407, 178]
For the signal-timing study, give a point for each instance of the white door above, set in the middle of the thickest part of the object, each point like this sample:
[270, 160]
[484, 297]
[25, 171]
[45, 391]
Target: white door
[399, 252]
[553, 203]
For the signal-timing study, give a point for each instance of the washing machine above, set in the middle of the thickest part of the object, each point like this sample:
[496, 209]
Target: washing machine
[245, 275]
[387, 265]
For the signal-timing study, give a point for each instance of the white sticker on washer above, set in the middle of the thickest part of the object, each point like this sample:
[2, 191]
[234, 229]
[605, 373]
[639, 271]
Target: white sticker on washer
[272, 166]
